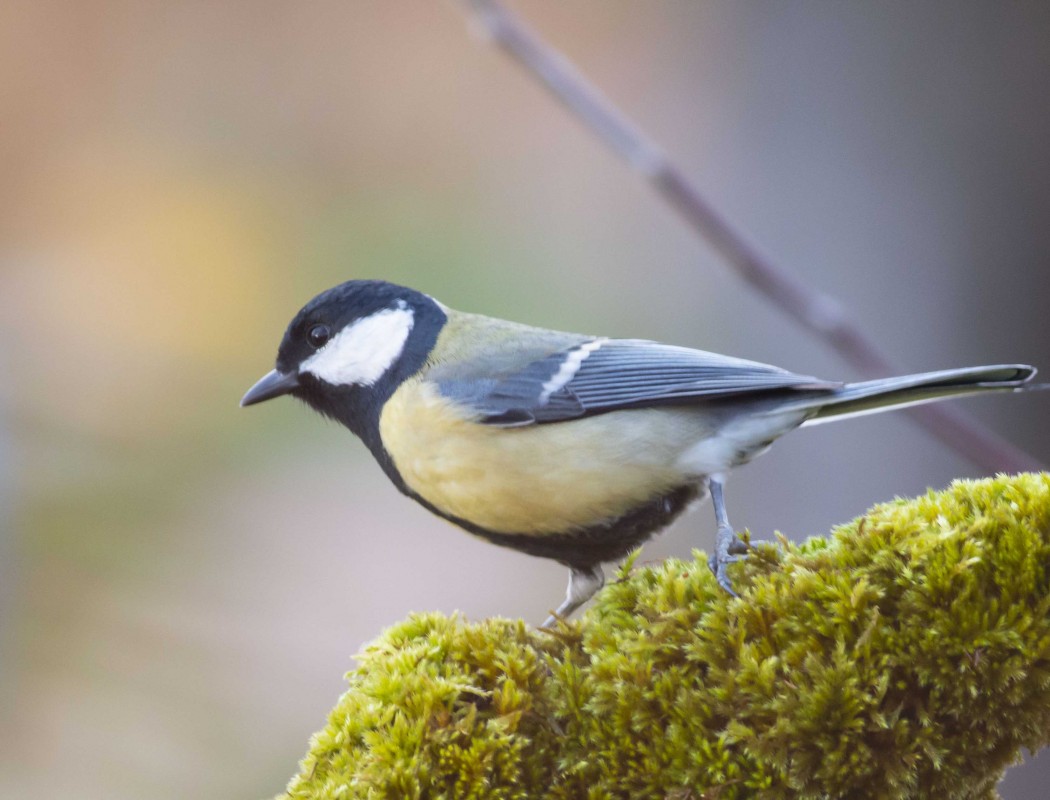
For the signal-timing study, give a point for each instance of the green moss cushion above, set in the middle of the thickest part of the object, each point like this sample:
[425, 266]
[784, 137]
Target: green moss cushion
[906, 655]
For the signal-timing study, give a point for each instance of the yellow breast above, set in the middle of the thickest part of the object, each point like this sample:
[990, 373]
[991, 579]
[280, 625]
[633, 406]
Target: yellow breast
[538, 479]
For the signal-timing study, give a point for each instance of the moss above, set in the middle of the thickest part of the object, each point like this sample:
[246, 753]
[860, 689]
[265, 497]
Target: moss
[906, 655]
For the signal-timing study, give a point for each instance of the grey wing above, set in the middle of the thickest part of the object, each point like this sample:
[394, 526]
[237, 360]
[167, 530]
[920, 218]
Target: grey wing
[600, 375]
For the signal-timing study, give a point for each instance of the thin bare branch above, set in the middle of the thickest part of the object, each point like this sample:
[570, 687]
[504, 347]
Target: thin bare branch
[820, 313]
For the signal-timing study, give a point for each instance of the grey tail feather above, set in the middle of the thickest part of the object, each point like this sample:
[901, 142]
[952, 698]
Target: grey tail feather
[883, 394]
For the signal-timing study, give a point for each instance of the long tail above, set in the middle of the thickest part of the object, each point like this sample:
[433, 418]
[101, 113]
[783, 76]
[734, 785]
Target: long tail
[870, 397]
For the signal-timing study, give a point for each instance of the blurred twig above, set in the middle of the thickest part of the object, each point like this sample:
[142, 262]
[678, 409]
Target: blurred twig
[820, 313]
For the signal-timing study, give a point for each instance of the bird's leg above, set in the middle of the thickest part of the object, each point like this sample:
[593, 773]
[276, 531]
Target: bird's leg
[583, 583]
[728, 547]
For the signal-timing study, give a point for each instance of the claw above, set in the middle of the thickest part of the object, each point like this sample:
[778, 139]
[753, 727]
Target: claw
[723, 580]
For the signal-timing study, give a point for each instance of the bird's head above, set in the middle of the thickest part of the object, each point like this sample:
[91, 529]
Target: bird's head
[349, 348]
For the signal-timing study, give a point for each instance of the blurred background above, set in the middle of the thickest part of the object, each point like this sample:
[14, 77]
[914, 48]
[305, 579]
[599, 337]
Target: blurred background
[182, 583]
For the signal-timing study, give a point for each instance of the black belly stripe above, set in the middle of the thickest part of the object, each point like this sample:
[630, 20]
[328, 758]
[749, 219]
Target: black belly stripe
[584, 548]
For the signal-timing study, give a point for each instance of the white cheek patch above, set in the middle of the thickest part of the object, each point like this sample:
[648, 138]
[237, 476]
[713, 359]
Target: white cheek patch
[362, 351]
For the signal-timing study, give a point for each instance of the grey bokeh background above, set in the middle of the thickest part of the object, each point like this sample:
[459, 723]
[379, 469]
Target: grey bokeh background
[184, 583]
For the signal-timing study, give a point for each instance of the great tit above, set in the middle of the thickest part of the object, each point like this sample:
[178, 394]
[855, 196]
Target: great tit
[571, 447]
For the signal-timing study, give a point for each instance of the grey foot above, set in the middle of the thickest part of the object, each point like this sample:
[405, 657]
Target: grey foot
[583, 583]
[728, 549]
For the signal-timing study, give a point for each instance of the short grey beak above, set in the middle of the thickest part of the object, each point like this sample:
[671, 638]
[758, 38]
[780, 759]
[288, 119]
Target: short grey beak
[272, 384]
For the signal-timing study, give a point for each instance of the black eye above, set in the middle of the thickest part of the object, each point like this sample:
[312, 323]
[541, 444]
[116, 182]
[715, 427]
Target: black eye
[318, 336]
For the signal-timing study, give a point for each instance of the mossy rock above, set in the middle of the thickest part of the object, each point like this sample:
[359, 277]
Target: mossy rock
[906, 655]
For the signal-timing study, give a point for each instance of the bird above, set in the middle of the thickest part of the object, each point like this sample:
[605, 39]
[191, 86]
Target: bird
[561, 445]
